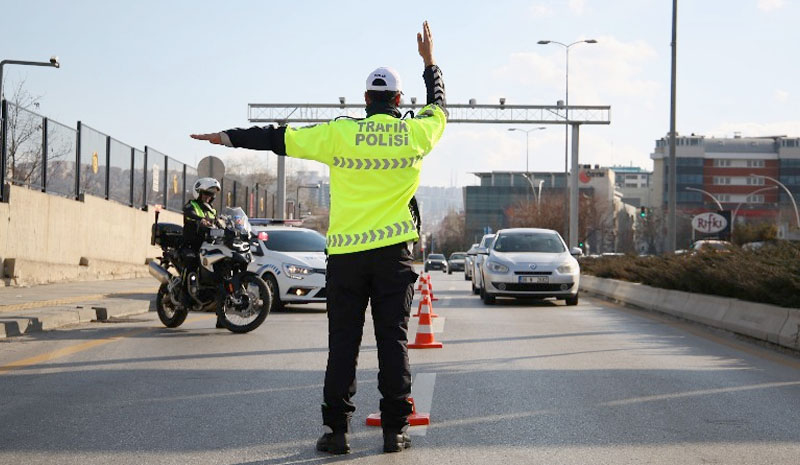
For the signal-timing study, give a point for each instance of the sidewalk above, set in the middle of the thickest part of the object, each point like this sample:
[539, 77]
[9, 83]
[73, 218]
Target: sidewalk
[24, 310]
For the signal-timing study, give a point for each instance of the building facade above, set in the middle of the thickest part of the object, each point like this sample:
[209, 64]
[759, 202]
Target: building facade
[734, 172]
[635, 185]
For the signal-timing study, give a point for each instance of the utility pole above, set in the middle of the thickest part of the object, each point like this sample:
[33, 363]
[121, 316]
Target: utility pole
[672, 233]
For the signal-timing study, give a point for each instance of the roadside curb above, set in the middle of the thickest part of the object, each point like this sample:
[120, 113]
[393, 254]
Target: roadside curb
[49, 318]
[770, 323]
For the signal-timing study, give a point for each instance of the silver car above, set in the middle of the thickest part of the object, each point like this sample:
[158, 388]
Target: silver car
[477, 273]
[468, 261]
[530, 263]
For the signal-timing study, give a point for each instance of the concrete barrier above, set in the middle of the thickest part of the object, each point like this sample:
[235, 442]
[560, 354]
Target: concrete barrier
[707, 309]
[769, 323]
[44, 238]
[755, 320]
[789, 336]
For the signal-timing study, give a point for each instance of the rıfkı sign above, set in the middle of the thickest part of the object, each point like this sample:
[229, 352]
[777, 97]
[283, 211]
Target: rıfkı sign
[709, 223]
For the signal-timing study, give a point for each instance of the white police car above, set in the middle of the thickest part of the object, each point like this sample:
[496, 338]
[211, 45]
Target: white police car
[291, 260]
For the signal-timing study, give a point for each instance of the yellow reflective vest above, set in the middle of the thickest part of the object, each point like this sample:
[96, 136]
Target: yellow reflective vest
[375, 165]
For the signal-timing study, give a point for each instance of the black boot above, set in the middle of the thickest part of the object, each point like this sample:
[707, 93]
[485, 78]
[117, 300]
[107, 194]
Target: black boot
[334, 443]
[395, 441]
[220, 322]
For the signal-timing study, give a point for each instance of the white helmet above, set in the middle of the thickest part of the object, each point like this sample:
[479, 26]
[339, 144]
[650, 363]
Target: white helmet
[208, 186]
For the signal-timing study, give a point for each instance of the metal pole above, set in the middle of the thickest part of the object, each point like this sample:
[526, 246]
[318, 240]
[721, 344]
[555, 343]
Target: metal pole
[788, 192]
[672, 233]
[566, 149]
[44, 154]
[719, 205]
[281, 190]
[527, 150]
[133, 171]
[573, 187]
[78, 164]
[108, 167]
[4, 110]
[736, 211]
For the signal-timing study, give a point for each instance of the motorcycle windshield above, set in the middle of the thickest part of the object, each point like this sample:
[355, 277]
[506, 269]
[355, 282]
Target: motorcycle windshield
[236, 219]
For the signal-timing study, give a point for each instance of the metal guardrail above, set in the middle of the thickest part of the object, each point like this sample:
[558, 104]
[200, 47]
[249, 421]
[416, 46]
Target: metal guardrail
[49, 156]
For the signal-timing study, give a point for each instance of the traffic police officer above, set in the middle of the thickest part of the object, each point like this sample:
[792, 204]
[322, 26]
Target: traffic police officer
[375, 166]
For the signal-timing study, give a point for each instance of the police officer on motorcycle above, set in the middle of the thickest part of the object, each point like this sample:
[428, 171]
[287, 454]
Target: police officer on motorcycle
[198, 217]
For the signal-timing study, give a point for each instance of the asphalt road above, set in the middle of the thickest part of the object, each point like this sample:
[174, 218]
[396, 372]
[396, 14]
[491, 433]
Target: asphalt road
[518, 382]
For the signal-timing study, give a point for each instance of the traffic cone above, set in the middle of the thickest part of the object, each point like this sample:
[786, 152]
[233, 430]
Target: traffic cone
[430, 289]
[422, 282]
[415, 419]
[425, 300]
[425, 338]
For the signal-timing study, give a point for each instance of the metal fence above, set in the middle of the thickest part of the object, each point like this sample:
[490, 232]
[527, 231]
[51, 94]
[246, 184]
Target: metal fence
[49, 156]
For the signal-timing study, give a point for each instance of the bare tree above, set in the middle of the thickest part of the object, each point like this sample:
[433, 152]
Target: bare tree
[450, 234]
[24, 134]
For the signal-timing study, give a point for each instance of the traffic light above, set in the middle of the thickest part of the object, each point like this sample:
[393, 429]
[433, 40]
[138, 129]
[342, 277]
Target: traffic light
[580, 244]
[642, 212]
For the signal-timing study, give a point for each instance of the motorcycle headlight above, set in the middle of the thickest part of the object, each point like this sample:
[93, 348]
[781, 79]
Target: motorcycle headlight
[296, 271]
[567, 268]
[495, 267]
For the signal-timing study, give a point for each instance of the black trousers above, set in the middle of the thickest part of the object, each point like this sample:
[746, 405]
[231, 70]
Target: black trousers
[384, 278]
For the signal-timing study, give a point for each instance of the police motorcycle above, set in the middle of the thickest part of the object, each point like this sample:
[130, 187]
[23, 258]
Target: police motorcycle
[240, 298]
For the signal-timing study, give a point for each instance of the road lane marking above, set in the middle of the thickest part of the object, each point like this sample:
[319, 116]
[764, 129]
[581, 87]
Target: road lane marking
[700, 392]
[74, 349]
[422, 392]
[70, 300]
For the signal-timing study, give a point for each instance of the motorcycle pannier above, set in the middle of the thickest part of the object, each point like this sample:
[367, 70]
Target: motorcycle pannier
[167, 235]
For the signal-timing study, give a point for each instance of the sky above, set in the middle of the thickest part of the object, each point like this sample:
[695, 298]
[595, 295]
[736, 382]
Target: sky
[151, 73]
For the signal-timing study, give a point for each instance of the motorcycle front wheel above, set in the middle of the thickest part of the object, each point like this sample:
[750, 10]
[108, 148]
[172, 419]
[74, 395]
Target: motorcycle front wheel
[170, 314]
[247, 307]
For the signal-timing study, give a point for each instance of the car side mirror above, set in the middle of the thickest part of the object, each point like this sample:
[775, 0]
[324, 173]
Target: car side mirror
[576, 252]
[483, 251]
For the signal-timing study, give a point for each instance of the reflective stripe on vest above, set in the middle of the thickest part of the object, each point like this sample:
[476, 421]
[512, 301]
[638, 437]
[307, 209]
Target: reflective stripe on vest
[345, 240]
[374, 163]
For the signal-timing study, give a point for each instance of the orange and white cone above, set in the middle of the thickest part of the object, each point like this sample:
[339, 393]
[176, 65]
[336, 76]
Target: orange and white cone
[424, 339]
[423, 282]
[415, 419]
[430, 289]
[425, 300]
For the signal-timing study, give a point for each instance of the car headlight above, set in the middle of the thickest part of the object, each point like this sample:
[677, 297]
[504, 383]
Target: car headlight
[296, 271]
[495, 267]
[567, 268]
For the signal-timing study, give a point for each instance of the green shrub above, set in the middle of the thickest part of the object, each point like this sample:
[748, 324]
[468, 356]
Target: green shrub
[769, 275]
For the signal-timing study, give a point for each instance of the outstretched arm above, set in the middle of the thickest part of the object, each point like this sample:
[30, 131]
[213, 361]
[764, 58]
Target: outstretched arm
[256, 138]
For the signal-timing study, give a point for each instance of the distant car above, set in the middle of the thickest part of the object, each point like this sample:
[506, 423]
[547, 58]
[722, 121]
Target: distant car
[468, 261]
[529, 262]
[477, 274]
[456, 262]
[711, 244]
[436, 261]
[292, 262]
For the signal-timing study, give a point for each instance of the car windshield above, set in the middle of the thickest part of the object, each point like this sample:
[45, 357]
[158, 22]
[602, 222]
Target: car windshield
[435, 256]
[294, 240]
[486, 241]
[529, 242]
[457, 256]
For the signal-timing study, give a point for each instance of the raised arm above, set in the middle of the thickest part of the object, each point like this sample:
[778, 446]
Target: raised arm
[434, 84]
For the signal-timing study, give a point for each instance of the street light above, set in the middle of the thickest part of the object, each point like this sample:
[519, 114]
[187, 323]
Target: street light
[572, 192]
[735, 211]
[708, 194]
[53, 63]
[527, 141]
[791, 196]
[297, 196]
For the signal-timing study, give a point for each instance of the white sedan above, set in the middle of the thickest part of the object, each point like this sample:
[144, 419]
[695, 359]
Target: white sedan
[292, 262]
[530, 263]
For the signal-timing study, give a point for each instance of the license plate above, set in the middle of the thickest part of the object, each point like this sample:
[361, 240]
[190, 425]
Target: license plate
[534, 279]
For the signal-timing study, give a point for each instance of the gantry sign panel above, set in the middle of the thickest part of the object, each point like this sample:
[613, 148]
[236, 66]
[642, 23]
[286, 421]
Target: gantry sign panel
[458, 113]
